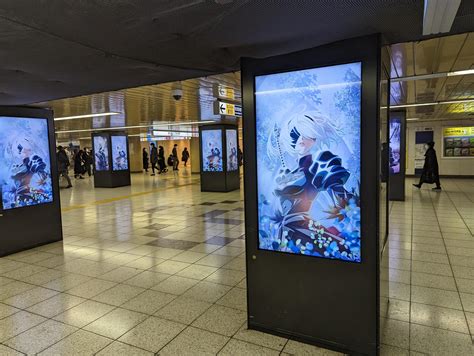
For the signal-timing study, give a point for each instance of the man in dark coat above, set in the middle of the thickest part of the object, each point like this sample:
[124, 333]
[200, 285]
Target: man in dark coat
[154, 159]
[63, 165]
[430, 172]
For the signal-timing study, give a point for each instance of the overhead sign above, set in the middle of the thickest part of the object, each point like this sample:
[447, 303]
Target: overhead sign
[224, 92]
[221, 108]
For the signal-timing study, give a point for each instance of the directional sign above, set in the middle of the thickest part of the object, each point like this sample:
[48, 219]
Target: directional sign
[228, 109]
[224, 92]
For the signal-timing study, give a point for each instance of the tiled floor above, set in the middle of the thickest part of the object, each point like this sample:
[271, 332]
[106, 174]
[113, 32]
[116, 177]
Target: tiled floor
[159, 268]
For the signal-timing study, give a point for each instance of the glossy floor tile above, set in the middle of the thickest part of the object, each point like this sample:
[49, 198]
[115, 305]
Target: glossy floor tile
[159, 267]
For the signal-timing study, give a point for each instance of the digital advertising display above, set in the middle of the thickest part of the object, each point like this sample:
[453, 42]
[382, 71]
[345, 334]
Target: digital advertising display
[394, 147]
[308, 161]
[231, 139]
[211, 150]
[101, 153]
[119, 153]
[25, 163]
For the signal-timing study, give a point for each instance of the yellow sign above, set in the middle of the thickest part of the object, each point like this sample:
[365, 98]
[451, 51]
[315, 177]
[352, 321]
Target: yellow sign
[458, 131]
[226, 92]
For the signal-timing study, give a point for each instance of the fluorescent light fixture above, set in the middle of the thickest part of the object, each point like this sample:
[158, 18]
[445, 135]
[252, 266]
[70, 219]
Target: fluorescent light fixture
[133, 127]
[413, 119]
[441, 102]
[84, 116]
[460, 72]
[438, 16]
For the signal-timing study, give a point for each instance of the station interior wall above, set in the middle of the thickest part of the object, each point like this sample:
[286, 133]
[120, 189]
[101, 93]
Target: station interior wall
[452, 166]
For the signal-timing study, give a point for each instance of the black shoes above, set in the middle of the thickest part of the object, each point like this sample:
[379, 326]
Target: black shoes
[417, 185]
[436, 188]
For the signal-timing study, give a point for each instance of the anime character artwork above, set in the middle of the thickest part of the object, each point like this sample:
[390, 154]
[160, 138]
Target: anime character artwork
[101, 152]
[25, 165]
[308, 161]
[395, 128]
[119, 153]
[231, 139]
[212, 150]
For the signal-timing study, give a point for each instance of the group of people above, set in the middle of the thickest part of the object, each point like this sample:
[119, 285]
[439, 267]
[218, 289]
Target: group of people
[156, 159]
[83, 160]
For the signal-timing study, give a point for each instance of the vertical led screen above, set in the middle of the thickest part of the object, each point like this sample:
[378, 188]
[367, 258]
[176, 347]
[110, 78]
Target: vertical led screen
[211, 150]
[308, 161]
[394, 147]
[231, 139]
[101, 153]
[119, 153]
[25, 164]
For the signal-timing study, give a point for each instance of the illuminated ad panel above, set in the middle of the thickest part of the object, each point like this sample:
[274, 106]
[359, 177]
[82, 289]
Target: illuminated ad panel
[394, 147]
[101, 153]
[211, 150]
[231, 139]
[119, 153]
[25, 163]
[308, 161]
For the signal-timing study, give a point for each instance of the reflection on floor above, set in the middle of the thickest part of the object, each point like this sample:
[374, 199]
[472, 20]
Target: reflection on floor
[159, 267]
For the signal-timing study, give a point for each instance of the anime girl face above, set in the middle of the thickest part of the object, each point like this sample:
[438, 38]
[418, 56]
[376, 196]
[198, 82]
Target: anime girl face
[304, 145]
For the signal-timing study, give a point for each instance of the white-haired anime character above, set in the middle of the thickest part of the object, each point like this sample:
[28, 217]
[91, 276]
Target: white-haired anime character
[306, 170]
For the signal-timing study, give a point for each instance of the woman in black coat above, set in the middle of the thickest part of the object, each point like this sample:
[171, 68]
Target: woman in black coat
[430, 172]
[78, 164]
[145, 160]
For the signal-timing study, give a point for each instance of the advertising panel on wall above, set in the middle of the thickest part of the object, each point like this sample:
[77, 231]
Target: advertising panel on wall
[101, 152]
[212, 150]
[231, 141]
[25, 163]
[119, 153]
[308, 161]
[458, 142]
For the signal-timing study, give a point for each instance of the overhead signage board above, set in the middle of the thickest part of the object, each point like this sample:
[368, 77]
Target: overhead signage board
[221, 108]
[224, 92]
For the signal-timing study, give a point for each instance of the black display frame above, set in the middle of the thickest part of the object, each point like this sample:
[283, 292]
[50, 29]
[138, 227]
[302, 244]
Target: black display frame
[31, 226]
[111, 178]
[224, 181]
[397, 180]
[279, 305]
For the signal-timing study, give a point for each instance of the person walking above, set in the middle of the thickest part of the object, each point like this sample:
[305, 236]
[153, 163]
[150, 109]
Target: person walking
[63, 165]
[154, 159]
[78, 164]
[430, 173]
[175, 157]
[146, 161]
[185, 156]
[161, 160]
[87, 160]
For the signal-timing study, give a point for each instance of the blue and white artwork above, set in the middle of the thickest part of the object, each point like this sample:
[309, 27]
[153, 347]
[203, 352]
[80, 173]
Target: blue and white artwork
[308, 161]
[231, 139]
[25, 164]
[101, 153]
[211, 150]
[119, 153]
[394, 148]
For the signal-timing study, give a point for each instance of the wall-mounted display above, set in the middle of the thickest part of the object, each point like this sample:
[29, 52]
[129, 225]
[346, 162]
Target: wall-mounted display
[458, 142]
[25, 164]
[308, 161]
[101, 153]
[231, 139]
[394, 146]
[212, 150]
[119, 153]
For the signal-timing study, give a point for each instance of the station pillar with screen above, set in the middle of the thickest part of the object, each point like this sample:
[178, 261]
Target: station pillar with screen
[30, 213]
[397, 155]
[219, 158]
[311, 194]
[111, 159]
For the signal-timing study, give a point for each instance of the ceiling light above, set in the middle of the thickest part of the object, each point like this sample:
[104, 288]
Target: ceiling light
[441, 102]
[438, 16]
[413, 119]
[460, 72]
[133, 127]
[84, 116]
